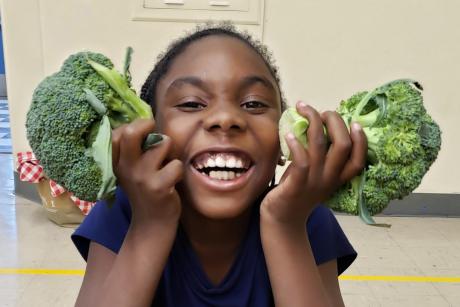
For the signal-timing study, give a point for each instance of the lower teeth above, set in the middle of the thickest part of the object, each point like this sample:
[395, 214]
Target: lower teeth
[224, 175]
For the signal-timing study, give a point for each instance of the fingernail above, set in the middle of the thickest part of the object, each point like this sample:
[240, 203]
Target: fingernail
[290, 136]
[151, 140]
[301, 104]
[355, 126]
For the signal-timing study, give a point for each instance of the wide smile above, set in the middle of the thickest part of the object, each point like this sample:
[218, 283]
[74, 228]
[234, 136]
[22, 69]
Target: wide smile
[223, 171]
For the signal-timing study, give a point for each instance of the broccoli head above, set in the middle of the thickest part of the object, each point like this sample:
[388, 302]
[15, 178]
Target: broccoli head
[70, 120]
[403, 142]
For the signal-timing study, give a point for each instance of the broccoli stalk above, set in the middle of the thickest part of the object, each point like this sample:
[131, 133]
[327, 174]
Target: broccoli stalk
[130, 104]
[403, 142]
[124, 109]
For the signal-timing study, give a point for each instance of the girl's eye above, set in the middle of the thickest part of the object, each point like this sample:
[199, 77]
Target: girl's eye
[191, 106]
[254, 105]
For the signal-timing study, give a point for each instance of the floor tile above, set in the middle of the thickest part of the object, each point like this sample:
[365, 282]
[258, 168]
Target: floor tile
[413, 301]
[357, 300]
[45, 291]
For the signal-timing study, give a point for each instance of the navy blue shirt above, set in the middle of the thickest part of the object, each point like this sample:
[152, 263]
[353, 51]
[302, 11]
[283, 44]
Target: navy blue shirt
[184, 282]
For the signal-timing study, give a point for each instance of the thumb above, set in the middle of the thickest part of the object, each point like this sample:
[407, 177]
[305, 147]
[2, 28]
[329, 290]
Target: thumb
[297, 172]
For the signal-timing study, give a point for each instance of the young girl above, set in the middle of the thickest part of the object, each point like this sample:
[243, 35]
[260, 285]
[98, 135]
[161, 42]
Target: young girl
[196, 221]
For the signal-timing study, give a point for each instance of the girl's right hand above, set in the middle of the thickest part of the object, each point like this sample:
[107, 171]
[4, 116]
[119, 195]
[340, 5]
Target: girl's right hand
[148, 178]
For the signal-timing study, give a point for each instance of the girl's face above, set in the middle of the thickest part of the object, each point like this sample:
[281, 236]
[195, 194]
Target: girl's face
[220, 105]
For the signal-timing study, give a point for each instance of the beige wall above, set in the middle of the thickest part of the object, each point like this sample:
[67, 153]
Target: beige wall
[326, 50]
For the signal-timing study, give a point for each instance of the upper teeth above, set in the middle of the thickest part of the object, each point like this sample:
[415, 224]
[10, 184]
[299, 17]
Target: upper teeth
[221, 160]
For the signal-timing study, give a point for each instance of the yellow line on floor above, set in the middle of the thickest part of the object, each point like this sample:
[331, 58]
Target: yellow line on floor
[435, 279]
[401, 278]
[13, 271]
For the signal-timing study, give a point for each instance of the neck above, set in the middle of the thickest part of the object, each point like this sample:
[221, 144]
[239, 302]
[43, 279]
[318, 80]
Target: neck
[215, 242]
[205, 233]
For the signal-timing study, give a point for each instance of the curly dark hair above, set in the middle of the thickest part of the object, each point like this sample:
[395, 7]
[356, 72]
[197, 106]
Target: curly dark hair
[165, 59]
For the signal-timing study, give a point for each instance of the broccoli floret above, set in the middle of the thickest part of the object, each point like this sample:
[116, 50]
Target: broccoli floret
[392, 145]
[403, 142]
[51, 149]
[410, 176]
[76, 65]
[430, 135]
[346, 198]
[65, 122]
[347, 107]
[84, 178]
[374, 196]
[404, 104]
[382, 172]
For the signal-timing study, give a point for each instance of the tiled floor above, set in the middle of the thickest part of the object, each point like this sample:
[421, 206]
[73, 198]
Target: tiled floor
[5, 135]
[411, 248]
[416, 247]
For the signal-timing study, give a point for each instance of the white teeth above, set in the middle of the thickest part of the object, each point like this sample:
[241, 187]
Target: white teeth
[210, 163]
[223, 175]
[220, 162]
[238, 164]
[231, 162]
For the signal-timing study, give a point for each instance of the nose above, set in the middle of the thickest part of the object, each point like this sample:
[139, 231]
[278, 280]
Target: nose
[225, 118]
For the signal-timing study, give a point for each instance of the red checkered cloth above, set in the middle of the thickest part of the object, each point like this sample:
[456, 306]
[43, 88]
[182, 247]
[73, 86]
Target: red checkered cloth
[56, 189]
[85, 206]
[30, 170]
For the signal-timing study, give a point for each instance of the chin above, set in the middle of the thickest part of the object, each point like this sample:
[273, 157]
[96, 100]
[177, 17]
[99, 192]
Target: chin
[222, 208]
[218, 206]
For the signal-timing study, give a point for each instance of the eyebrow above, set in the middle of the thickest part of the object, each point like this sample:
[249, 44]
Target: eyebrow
[254, 79]
[247, 81]
[195, 81]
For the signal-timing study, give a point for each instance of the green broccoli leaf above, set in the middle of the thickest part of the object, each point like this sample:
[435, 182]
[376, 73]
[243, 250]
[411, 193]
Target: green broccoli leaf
[101, 151]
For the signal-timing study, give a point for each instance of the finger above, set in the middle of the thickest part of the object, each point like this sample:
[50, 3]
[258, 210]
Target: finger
[340, 145]
[317, 144]
[169, 176]
[131, 139]
[116, 135]
[297, 172]
[358, 155]
[156, 155]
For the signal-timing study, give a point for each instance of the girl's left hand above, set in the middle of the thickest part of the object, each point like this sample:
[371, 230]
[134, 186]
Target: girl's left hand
[316, 172]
